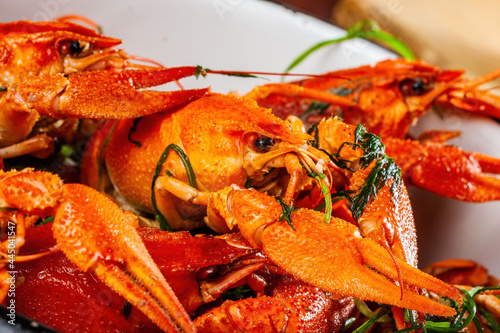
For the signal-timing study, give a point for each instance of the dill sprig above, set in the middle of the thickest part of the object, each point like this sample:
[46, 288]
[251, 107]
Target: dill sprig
[366, 29]
[314, 132]
[467, 313]
[132, 131]
[385, 169]
[382, 312]
[241, 292]
[41, 221]
[287, 212]
[191, 177]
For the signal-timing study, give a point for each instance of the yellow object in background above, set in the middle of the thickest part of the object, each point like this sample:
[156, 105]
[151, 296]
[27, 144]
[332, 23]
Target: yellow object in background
[452, 34]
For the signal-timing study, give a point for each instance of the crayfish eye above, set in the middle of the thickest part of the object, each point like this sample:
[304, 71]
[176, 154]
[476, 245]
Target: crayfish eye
[209, 273]
[418, 85]
[263, 143]
[74, 48]
[413, 87]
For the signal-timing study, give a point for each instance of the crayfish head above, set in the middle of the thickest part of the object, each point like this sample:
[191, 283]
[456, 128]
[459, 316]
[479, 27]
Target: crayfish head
[54, 47]
[270, 160]
[421, 84]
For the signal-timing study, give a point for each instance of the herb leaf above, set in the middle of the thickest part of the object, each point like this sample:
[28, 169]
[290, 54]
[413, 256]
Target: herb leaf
[132, 130]
[385, 168]
[287, 212]
[367, 29]
[48, 219]
[238, 293]
[190, 173]
[383, 310]
[200, 71]
[458, 323]
[326, 194]
[314, 142]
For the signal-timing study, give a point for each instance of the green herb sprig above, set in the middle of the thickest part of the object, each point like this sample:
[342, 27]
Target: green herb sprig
[313, 130]
[48, 219]
[287, 212]
[191, 177]
[132, 131]
[385, 168]
[460, 321]
[382, 312]
[367, 29]
[326, 194]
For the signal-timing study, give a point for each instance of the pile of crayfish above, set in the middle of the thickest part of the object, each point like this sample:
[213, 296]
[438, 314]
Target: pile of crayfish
[284, 210]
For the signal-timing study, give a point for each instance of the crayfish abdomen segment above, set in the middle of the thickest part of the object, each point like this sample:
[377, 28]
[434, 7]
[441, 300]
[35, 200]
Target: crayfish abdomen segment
[33, 192]
[293, 307]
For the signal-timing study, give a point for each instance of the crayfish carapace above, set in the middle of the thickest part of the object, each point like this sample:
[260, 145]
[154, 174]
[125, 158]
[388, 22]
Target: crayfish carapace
[225, 140]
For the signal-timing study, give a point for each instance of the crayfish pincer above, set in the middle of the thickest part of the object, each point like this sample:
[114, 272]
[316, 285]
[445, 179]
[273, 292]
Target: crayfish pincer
[96, 236]
[332, 256]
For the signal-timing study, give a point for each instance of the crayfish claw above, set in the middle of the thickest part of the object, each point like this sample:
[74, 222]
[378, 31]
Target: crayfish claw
[334, 256]
[331, 256]
[293, 307]
[447, 170]
[92, 229]
[105, 94]
[32, 192]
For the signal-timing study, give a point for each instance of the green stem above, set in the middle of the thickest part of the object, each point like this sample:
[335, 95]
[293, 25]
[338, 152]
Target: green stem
[100, 161]
[164, 225]
[383, 310]
[366, 29]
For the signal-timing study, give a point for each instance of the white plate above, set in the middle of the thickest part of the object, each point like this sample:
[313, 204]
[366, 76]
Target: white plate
[261, 36]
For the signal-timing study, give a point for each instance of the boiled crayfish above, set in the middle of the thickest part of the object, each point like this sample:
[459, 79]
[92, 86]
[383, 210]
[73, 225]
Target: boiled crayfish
[222, 140]
[356, 249]
[62, 70]
[224, 161]
[387, 99]
[222, 150]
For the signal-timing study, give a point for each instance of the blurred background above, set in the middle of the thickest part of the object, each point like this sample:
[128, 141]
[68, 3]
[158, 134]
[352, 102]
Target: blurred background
[459, 34]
